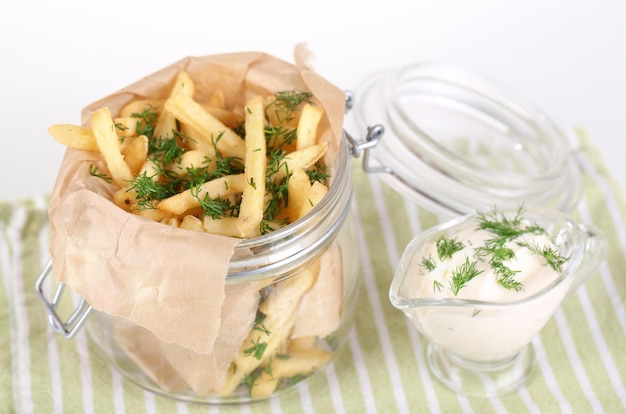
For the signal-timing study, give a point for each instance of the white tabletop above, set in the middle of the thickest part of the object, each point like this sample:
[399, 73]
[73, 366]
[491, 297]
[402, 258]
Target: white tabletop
[568, 57]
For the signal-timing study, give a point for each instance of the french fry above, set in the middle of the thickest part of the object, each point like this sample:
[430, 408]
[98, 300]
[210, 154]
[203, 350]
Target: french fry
[297, 190]
[265, 385]
[189, 112]
[301, 362]
[301, 343]
[285, 296]
[304, 159]
[306, 134]
[150, 213]
[140, 106]
[126, 127]
[171, 221]
[165, 126]
[150, 169]
[226, 226]
[109, 145]
[228, 118]
[125, 198]
[74, 136]
[136, 154]
[166, 123]
[191, 159]
[246, 361]
[315, 195]
[190, 222]
[253, 198]
[180, 203]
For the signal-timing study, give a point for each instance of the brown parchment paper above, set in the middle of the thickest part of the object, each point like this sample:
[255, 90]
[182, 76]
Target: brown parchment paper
[167, 280]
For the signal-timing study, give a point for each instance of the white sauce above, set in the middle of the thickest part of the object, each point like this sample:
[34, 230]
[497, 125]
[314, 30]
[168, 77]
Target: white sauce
[476, 332]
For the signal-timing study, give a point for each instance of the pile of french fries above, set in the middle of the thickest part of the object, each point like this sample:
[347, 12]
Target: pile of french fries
[239, 172]
[205, 167]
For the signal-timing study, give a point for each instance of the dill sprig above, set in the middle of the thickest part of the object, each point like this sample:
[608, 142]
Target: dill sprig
[146, 121]
[257, 349]
[286, 103]
[462, 275]
[93, 170]
[214, 207]
[503, 227]
[428, 263]
[446, 247]
[164, 150]
[149, 190]
[319, 173]
[552, 257]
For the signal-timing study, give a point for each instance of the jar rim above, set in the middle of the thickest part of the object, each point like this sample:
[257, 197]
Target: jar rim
[437, 116]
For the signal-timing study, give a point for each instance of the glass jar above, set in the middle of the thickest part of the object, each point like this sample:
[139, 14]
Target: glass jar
[290, 299]
[456, 142]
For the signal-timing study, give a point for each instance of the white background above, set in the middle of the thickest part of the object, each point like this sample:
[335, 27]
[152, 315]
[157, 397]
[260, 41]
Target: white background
[568, 57]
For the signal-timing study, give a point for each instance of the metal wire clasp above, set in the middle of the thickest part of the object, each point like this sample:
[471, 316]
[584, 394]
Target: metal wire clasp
[77, 318]
[372, 138]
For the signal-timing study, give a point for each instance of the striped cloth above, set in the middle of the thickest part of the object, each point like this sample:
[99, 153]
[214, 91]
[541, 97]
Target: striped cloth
[581, 353]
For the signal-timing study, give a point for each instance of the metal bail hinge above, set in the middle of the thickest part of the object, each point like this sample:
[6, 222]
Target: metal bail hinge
[374, 134]
[79, 315]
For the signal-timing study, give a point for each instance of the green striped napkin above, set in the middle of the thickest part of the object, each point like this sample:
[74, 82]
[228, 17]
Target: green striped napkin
[581, 353]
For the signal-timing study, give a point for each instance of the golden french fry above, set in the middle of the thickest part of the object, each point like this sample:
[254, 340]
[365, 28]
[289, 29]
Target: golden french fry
[189, 112]
[180, 203]
[165, 126]
[315, 195]
[140, 106]
[306, 135]
[191, 159]
[151, 169]
[297, 190]
[125, 198]
[247, 360]
[183, 85]
[109, 144]
[284, 297]
[301, 343]
[302, 362]
[304, 159]
[196, 141]
[264, 386]
[166, 123]
[150, 213]
[74, 136]
[190, 222]
[126, 127]
[228, 118]
[226, 226]
[253, 197]
[136, 154]
[172, 221]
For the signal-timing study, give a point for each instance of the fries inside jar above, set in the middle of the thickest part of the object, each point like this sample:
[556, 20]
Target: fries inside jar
[240, 172]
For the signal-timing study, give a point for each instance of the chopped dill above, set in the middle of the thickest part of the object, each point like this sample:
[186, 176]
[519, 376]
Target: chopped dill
[462, 275]
[93, 170]
[428, 263]
[446, 247]
[552, 257]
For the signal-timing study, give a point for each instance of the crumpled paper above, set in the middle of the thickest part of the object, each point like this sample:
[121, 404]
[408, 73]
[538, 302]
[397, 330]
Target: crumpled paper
[167, 280]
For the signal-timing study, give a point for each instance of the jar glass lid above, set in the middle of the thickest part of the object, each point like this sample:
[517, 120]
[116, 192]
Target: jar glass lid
[456, 142]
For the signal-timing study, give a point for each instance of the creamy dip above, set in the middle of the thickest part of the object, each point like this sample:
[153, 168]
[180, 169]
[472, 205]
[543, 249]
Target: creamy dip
[528, 268]
[487, 322]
